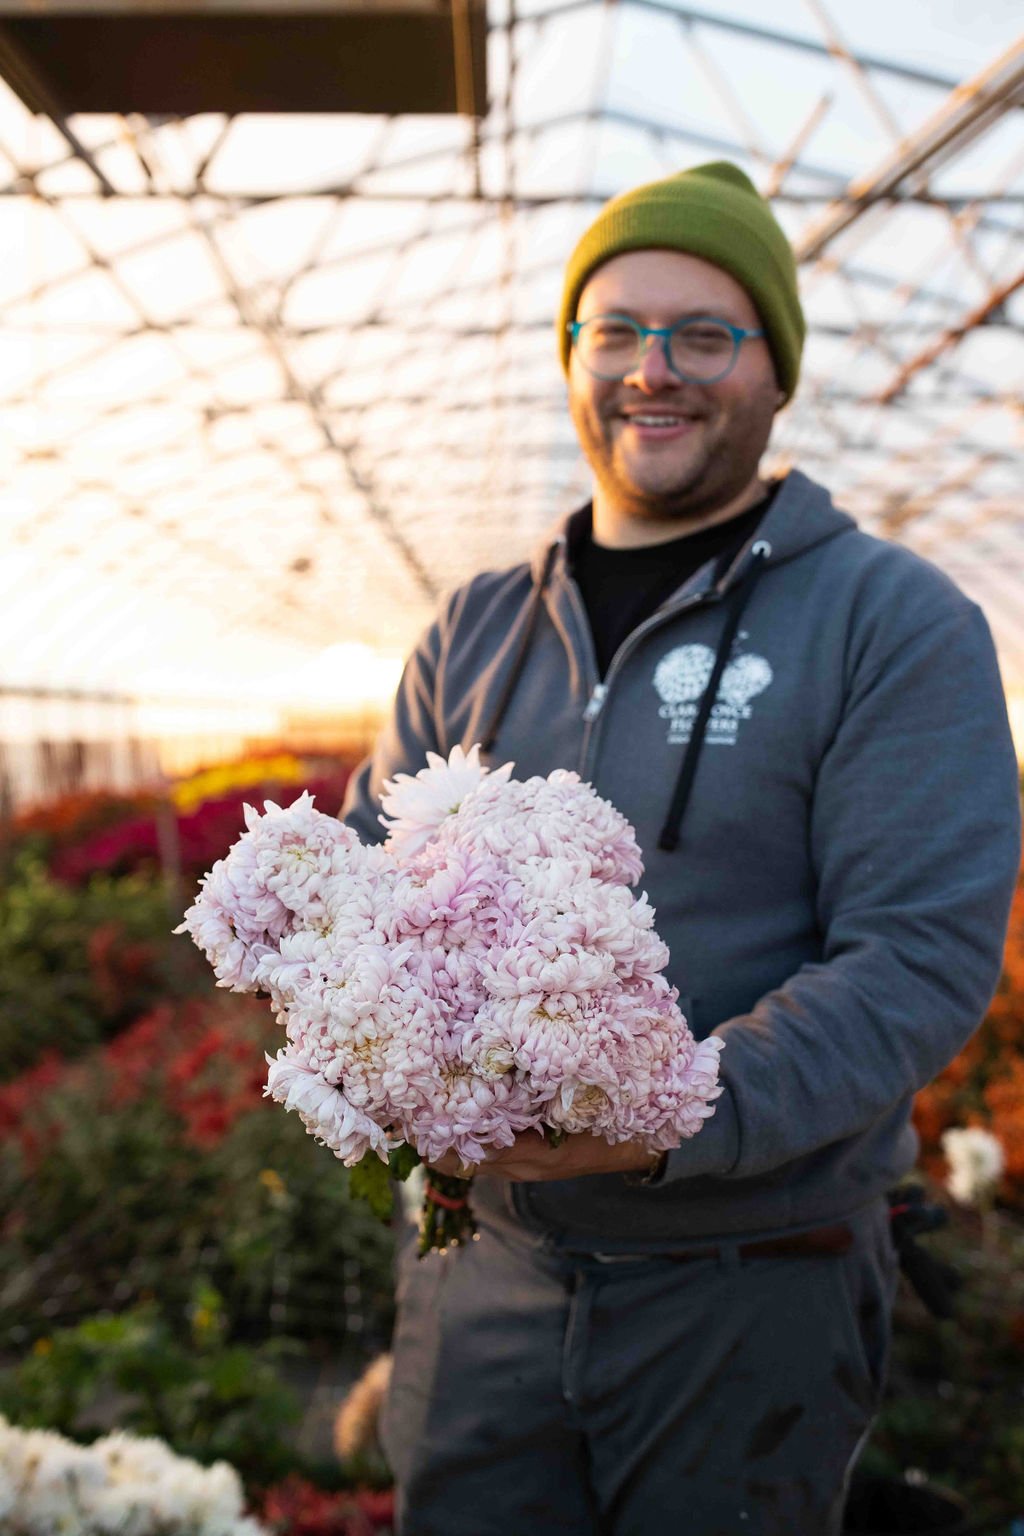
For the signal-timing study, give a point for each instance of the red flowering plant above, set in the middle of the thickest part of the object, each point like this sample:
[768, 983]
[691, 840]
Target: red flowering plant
[203, 830]
[296, 1507]
[77, 966]
[70, 819]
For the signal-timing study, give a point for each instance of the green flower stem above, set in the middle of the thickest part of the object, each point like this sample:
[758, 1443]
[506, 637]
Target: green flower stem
[446, 1219]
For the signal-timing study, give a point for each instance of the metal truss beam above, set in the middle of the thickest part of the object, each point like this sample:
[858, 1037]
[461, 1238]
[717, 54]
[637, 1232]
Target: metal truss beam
[950, 337]
[970, 110]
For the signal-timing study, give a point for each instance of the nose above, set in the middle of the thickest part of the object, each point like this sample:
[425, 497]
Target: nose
[651, 372]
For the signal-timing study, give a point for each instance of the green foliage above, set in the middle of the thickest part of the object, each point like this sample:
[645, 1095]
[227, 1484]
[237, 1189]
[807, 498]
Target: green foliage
[207, 1398]
[77, 965]
[370, 1179]
[402, 1162]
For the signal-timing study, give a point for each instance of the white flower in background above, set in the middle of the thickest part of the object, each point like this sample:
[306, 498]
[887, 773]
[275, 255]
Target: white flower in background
[417, 804]
[119, 1486]
[976, 1161]
[8, 1494]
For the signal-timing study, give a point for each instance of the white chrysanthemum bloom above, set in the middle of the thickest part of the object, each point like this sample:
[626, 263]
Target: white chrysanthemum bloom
[119, 1486]
[208, 1499]
[125, 1509]
[8, 1492]
[130, 1459]
[976, 1161]
[55, 1471]
[416, 805]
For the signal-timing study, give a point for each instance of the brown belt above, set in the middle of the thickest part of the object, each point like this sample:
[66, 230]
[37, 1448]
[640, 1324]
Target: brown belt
[837, 1238]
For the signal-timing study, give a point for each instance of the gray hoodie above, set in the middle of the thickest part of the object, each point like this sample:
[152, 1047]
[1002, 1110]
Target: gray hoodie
[837, 902]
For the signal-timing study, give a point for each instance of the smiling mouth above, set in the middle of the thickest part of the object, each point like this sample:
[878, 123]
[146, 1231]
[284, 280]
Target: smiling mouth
[652, 420]
[658, 421]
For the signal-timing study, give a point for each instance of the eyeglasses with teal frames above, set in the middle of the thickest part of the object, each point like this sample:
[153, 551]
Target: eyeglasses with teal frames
[702, 349]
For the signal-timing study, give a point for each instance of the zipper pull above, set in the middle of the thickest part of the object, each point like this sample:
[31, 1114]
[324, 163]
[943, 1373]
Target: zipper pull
[596, 701]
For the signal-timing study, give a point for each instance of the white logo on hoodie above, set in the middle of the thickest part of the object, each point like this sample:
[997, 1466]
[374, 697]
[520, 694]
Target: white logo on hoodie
[681, 677]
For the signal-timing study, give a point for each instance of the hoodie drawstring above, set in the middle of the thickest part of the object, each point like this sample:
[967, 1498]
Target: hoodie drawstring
[668, 840]
[487, 736]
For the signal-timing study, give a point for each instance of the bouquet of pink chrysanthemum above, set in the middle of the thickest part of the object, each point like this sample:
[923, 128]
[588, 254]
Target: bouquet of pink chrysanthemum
[485, 972]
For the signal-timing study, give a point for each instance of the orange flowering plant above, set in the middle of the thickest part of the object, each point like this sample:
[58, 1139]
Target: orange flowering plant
[984, 1085]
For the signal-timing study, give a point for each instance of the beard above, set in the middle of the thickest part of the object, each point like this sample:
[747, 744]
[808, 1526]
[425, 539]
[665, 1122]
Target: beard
[685, 479]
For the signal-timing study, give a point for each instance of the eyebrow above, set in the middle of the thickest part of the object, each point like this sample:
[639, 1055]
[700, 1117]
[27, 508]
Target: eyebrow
[707, 313]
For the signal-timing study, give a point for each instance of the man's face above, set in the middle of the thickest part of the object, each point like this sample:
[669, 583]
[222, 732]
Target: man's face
[661, 447]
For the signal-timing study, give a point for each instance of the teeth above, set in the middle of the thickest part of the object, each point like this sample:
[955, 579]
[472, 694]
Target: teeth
[657, 421]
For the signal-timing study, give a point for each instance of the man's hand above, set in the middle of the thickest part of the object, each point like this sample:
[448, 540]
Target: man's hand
[532, 1160]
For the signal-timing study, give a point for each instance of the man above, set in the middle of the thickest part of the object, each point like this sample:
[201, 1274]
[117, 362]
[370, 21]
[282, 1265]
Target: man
[806, 727]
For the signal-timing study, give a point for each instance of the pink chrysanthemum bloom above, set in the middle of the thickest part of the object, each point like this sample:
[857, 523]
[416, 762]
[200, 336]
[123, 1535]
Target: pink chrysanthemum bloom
[582, 1105]
[358, 900]
[538, 965]
[681, 1096]
[599, 917]
[235, 920]
[453, 976]
[488, 971]
[293, 971]
[454, 898]
[470, 1115]
[265, 888]
[297, 849]
[416, 805]
[384, 1030]
[324, 1110]
[559, 817]
[543, 1039]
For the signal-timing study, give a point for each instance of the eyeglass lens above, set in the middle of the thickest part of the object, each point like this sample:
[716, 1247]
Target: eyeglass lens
[612, 347]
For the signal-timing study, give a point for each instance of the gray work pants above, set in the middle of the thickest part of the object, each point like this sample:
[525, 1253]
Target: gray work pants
[537, 1393]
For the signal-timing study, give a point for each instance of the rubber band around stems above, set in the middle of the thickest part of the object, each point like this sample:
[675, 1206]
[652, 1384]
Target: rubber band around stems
[444, 1201]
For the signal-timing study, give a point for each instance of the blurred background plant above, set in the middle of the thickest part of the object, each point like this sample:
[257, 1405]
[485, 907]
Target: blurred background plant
[954, 1406]
[208, 1398]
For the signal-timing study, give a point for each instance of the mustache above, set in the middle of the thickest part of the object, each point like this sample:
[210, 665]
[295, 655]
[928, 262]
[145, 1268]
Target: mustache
[656, 407]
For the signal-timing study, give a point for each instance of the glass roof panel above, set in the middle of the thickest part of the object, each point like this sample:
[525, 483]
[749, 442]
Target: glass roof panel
[296, 376]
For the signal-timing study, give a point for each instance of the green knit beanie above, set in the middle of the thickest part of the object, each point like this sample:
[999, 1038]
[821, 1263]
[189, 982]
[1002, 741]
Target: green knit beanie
[713, 211]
